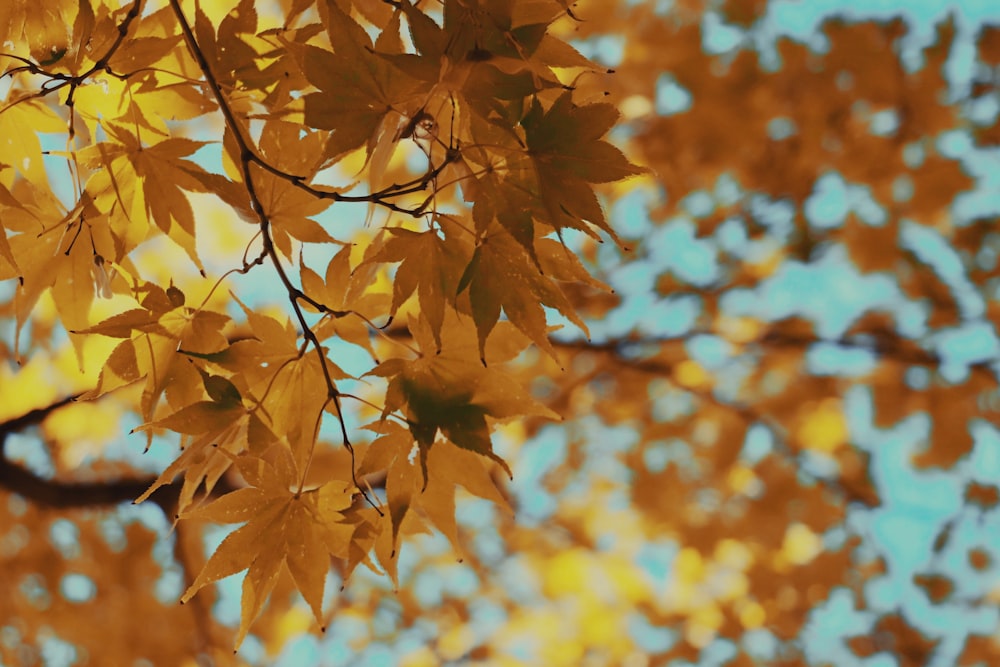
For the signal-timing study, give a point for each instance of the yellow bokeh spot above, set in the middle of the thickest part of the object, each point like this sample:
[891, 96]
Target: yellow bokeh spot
[83, 429]
[514, 430]
[43, 379]
[691, 374]
[567, 573]
[733, 554]
[739, 329]
[741, 479]
[598, 628]
[689, 566]
[221, 233]
[456, 642]
[28, 388]
[767, 264]
[702, 625]
[824, 429]
[627, 581]
[635, 106]
[751, 615]
[728, 585]
[293, 623]
[422, 657]
[801, 544]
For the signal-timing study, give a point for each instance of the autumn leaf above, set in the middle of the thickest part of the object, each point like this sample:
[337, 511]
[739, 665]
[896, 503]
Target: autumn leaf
[431, 265]
[350, 307]
[565, 147]
[283, 526]
[291, 212]
[452, 391]
[148, 182]
[501, 275]
[155, 336]
[358, 91]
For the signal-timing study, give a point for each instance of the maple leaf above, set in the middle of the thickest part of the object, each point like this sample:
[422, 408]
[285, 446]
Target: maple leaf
[290, 211]
[344, 293]
[392, 452]
[211, 430]
[155, 336]
[229, 51]
[53, 255]
[501, 275]
[7, 201]
[489, 67]
[566, 150]
[432, 266]
[426, 487]
[289, 384]
[358, 91]
[284, 525]
[20, 126]
[453, 391]
[148, 182]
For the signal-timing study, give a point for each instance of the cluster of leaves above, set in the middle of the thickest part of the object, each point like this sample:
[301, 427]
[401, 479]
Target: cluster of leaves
[478, 94]
[777, 449]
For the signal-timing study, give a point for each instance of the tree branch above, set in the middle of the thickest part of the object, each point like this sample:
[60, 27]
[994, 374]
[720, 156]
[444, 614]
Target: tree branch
[58, 494]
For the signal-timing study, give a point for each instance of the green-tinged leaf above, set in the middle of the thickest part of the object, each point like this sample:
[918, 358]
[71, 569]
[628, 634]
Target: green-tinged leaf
[565, 147]
[502, 275]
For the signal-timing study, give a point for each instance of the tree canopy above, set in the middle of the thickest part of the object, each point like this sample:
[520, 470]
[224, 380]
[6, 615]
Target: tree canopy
[498, 332]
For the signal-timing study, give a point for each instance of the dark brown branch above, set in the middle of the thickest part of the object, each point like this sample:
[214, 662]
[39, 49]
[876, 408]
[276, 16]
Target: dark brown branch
[56, 494]
[32, 418]
[61, 494]
[249, 156]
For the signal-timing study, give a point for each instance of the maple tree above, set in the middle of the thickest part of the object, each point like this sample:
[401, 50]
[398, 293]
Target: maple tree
[341, 268]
